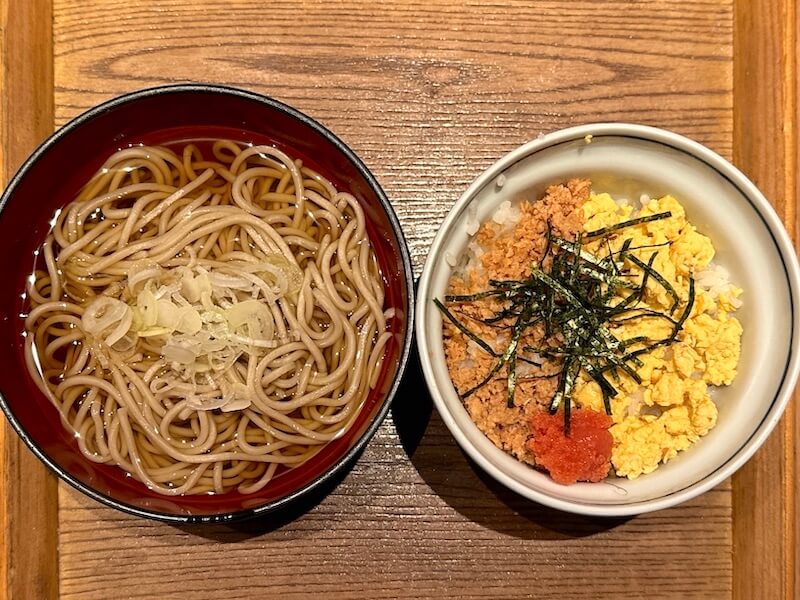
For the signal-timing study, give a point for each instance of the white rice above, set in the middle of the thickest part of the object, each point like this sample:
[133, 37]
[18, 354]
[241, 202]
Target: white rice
[472, 222]
[506, 215]
[715, 281]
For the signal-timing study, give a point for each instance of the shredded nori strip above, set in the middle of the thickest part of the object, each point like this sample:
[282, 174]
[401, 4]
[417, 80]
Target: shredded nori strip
[462, 328]
[649, 270]
[571, 295]
[626, 224]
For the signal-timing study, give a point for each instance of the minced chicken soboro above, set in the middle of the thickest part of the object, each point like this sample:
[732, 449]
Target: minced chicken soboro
[506, 251]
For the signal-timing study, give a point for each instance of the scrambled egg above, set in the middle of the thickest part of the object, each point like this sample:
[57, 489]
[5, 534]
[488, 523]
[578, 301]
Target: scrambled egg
[671, 409]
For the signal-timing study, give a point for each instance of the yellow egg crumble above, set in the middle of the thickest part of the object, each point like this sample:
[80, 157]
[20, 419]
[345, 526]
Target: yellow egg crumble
[671, 409]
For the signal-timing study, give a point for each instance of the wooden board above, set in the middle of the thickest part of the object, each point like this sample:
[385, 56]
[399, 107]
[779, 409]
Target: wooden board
[428, 94]
[28, 492]
[765, 146]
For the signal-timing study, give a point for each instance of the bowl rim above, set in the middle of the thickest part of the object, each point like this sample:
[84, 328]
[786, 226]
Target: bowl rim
[348, 457]
[759, 203]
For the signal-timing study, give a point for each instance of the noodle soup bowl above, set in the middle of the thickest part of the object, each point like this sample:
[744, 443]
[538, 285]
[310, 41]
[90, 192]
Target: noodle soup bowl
[750, 241]
[52, 177]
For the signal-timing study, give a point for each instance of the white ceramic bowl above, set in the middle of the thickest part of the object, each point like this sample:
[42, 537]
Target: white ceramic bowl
[626, 161]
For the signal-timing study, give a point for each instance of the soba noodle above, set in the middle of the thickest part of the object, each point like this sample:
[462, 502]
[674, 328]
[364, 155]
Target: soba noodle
[201, 321]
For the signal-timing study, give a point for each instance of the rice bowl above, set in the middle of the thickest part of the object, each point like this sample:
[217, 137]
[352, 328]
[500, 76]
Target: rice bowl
[628, 161]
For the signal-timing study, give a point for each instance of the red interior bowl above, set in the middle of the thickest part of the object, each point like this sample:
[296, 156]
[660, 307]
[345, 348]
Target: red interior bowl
[50, 179]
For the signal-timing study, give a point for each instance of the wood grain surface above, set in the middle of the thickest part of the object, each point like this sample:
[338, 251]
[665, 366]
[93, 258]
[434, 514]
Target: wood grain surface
[765, 147]
[428, 94]
[28, 492]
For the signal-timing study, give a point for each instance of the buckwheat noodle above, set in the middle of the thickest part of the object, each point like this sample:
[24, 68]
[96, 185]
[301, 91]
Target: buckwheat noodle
[200, 321]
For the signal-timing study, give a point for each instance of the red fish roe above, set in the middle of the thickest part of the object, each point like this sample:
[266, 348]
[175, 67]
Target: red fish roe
[584, 455]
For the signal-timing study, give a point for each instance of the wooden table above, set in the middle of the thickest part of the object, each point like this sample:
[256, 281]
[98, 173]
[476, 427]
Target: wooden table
[428, 94]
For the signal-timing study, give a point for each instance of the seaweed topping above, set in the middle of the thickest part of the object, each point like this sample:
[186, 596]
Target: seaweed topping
[576, 295]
